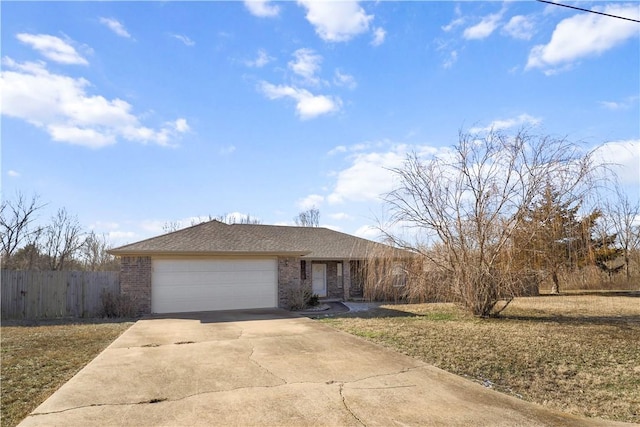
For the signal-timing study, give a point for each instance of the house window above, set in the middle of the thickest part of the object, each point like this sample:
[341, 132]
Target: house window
[339, 269]
[303, 270]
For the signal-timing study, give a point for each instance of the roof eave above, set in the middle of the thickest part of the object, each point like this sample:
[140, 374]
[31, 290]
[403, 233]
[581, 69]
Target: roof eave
[181, 254]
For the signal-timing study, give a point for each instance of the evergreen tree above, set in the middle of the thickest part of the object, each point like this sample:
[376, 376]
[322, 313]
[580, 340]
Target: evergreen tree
[554, 238]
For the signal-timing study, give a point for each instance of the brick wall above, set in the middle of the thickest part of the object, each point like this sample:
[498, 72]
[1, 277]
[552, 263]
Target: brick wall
[346, 280]
[288, 279]
[135, 281]
[334, 283]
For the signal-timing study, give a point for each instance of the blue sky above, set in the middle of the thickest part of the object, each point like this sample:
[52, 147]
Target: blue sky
[131, 115]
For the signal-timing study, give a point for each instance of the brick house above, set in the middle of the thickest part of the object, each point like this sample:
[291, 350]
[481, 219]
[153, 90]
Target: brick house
[218, 266]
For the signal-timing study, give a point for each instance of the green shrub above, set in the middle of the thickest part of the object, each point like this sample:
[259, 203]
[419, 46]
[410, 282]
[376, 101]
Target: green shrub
[312, 300]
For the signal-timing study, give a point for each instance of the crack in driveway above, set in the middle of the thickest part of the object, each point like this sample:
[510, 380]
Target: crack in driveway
[155, 400]
[346, 406]
[259, 365]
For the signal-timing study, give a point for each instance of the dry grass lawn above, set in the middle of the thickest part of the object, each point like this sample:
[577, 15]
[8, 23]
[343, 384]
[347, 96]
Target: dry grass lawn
[579, 354]
[37, 358]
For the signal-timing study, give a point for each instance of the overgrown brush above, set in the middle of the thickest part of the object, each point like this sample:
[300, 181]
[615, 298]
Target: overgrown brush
[117, 305]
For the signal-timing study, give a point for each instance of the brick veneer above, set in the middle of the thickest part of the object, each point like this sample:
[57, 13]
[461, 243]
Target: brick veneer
[334, 283]
[135, 281]
[288, 279]
[346, 280]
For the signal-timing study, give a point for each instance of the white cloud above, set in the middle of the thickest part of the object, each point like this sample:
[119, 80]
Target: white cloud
[154, 226]
[184, 39]
[584, 35]
[308, 105]
[53, 48]
[451, 59]
[368, 176]
[262, 8]
[611, 105]
[336, 21]
[181, 125]
[224, 151]
[100, 225]
[261, 60]
[379, 35]
[306, 64]
[311, 201]
[368, 232]
[496, 125]
[340, 216]
[369, 173]
[80, 136]
[484, 28]
[13, 174]
[115, 26]
[623, 158]
[453, 24]
[343, 79]
[117, 238]
[338, 149]
[60, 105]
[519, 27]
[331, 227]
[620, 105]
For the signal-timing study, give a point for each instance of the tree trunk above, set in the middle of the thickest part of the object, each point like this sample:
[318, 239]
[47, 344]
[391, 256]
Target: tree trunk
[626, 264]
[555, 289]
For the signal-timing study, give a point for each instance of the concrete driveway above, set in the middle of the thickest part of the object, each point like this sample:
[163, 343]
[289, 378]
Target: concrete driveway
[270, 367]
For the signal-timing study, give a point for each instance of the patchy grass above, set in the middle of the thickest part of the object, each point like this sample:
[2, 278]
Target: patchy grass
[37, 358]
[579, 354]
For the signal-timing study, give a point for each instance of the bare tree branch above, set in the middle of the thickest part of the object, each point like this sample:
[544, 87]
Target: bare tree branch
[16, 218]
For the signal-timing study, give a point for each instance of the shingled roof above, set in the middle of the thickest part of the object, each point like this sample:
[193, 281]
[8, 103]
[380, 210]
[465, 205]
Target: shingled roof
[217, 238]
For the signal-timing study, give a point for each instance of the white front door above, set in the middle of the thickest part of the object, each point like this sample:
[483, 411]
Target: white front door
[319, 279]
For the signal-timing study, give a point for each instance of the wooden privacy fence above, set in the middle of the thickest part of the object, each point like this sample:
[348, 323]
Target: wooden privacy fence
[51, 294]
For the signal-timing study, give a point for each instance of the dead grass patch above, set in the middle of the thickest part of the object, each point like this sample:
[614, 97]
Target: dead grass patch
[37, 358]
[578, 354]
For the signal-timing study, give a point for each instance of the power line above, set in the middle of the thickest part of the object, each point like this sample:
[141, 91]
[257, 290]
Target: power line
[587, 10]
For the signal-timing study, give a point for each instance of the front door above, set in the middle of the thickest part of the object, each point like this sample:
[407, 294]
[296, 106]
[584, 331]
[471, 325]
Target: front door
[319, 279]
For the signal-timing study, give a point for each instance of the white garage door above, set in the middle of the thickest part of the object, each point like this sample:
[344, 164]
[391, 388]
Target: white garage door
[212, 284]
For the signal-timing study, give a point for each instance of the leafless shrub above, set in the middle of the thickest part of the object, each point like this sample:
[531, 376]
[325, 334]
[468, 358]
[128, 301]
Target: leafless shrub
[117, 305]
[467, 203]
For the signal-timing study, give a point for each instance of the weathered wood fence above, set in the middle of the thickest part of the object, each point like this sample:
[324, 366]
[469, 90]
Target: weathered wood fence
[51, 294]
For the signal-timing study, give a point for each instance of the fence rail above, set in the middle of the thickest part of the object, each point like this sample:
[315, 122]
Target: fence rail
[52, 294]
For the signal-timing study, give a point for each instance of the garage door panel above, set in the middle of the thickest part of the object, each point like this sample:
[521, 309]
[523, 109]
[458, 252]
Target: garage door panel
[208, 266]
[213, 284]
[170, 279]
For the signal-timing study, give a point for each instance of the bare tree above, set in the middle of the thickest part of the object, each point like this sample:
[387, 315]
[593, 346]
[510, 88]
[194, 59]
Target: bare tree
[62, 239]
[308, 218]
[470, 199]
[237, 219]
[94, 253]
[171, 226]
[16, 218]
[622, 216]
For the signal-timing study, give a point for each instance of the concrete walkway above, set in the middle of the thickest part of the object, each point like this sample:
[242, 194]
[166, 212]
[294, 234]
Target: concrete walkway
[269, 367]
